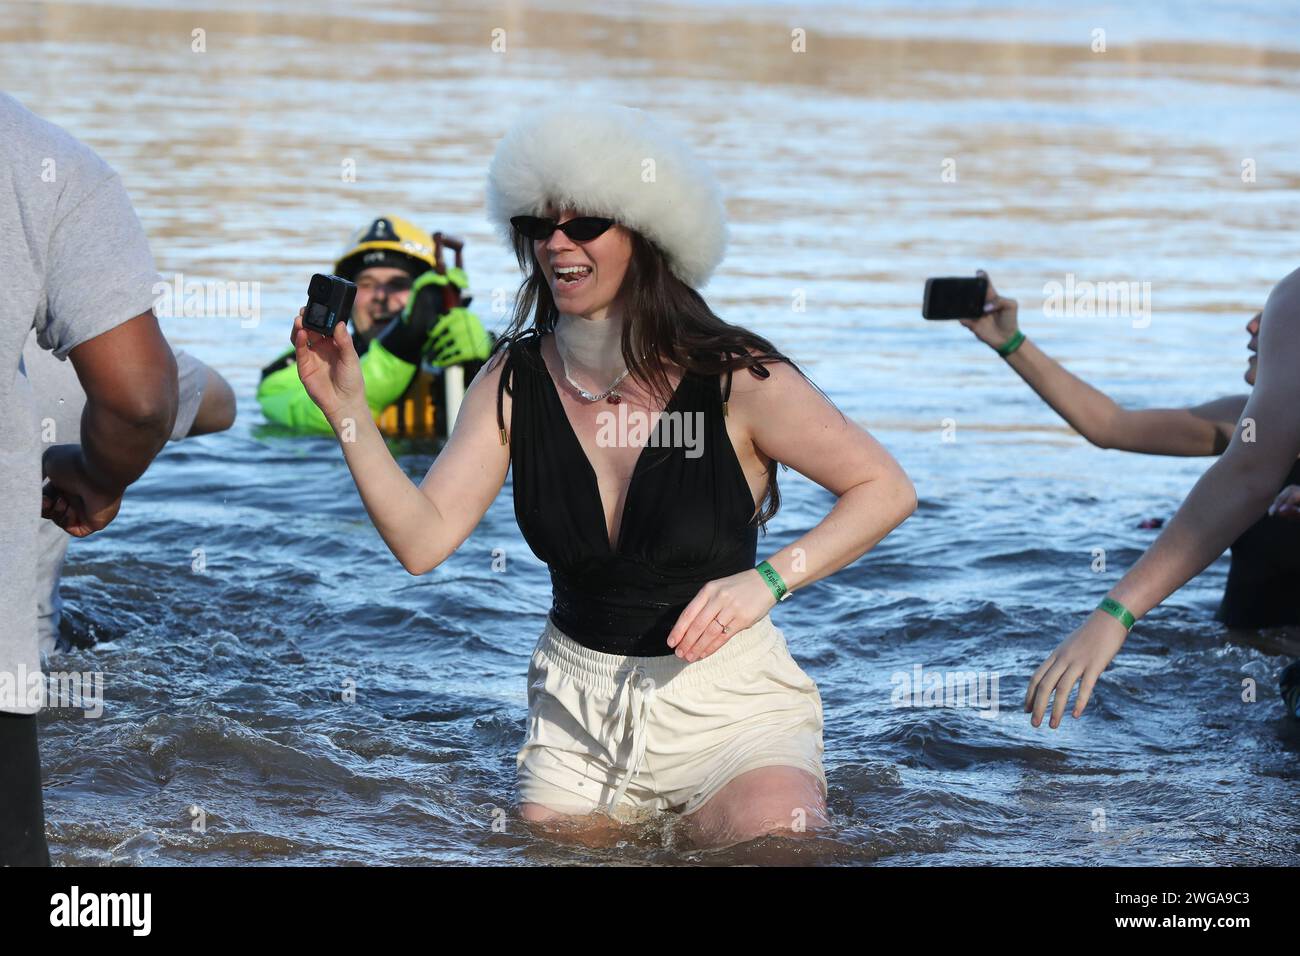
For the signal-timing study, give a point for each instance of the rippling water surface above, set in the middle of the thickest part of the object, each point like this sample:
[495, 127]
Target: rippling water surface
[224, 689]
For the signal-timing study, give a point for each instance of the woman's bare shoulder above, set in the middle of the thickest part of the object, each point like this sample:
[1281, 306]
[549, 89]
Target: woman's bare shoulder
[489, 374]
[486, 390]
[767, 377]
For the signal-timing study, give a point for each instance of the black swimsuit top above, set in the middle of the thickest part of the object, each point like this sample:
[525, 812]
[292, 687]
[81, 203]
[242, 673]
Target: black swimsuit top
[686, 515]
[1263, 588]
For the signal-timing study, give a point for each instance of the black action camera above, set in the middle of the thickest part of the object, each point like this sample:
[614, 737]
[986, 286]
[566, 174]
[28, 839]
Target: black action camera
[329, 302]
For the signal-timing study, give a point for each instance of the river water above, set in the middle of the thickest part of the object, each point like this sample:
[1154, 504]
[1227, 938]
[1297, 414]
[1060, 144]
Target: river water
[905, 141]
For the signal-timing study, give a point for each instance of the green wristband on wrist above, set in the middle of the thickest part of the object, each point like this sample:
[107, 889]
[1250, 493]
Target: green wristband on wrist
[1011, 344]
[1118, 611]
[773, 581]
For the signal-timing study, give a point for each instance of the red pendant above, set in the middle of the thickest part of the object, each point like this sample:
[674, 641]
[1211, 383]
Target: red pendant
[614, 398]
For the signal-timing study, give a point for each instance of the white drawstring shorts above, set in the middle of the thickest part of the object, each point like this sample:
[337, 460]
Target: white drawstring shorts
[635, 735]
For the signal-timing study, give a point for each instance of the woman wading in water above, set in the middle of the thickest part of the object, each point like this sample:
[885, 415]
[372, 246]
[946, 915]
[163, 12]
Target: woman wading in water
[659, 682]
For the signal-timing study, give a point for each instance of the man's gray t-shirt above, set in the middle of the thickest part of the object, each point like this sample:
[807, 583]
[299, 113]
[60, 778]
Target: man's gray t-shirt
[75, 264]
[59, 401]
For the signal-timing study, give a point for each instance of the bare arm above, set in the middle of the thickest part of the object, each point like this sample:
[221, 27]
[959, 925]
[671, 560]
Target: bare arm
[1235, 492]
[1238, 488]
[790, 422]
[216, 408]
[129, 376]
[1200, 430]
[421, 525]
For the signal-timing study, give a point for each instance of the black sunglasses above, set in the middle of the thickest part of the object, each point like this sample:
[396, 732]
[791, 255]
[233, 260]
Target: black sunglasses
[581, 229]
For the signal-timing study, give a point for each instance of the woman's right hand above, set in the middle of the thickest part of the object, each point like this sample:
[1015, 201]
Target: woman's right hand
[1079, 659]
[998, 324]
[330, 370]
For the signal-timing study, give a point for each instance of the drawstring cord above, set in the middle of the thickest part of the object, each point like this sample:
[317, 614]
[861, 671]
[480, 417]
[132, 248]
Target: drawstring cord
[635, 695]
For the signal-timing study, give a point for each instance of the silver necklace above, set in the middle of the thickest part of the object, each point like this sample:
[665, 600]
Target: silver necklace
[610, 395]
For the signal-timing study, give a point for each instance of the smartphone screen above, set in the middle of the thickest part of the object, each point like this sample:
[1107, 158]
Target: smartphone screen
[954, 298]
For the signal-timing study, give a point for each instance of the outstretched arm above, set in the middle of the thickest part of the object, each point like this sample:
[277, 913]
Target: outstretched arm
[421, 525]
[1199, 430]
[1234, 493]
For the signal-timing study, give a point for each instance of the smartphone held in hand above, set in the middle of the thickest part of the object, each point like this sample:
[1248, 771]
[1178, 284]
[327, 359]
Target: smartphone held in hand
[954, 297]
[329, 302]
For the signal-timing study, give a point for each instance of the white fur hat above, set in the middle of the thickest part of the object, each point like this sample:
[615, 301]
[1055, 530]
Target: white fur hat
[614, 161]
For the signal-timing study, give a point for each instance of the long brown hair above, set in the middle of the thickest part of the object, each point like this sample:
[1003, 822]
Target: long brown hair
[662, 316]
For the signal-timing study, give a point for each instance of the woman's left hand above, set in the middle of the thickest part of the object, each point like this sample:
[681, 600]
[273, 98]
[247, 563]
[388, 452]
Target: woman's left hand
[737, 601]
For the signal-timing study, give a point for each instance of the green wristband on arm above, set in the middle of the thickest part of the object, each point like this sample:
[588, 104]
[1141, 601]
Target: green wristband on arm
[1011, 344]
[773, 581]
[1119, 612]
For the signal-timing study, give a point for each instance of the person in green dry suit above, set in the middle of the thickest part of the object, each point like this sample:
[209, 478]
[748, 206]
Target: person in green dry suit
[403, 313]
